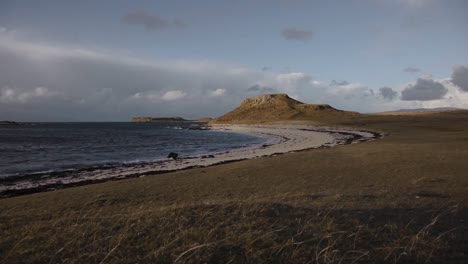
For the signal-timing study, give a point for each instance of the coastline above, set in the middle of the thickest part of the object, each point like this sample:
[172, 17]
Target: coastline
[286, 139]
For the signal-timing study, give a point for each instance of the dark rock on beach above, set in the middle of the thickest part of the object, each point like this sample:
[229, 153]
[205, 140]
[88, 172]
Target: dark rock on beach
[173, 155]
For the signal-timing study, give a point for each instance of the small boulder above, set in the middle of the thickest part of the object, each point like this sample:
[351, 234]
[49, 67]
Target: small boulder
[173, 155]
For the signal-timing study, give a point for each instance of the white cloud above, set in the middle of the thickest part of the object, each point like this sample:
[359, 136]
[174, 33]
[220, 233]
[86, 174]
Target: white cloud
[291, 83]
[460, 77]
[174, 95]
[348, 90]
[218, 92]
[15, 95]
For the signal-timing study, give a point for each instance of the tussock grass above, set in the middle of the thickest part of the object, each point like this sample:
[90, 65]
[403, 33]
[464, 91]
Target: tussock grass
[233, 232]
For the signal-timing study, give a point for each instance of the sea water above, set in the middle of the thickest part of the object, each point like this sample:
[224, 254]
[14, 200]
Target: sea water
[41, 148]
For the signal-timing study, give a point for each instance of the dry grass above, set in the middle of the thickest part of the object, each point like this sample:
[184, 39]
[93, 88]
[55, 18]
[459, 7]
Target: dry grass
[229, 232]
[402, 199]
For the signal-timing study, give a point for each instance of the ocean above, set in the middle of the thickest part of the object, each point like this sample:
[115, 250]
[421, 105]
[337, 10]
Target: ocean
[43, 148]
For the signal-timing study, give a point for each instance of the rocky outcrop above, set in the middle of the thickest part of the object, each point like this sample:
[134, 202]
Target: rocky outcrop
[278, 107]
[157, 119]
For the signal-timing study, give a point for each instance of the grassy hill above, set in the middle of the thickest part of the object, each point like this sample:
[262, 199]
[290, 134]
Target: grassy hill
[280, 107]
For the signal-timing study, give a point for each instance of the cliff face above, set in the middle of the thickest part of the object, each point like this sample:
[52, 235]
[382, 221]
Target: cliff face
[157, 119]
[278, 107]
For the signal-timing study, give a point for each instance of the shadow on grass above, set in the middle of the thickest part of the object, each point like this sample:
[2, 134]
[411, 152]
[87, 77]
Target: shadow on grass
[237, 232]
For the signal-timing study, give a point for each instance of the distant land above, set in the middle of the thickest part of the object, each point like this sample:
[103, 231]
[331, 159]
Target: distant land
[204, 119]
[158, 119]
[8, 123]
[419, 110]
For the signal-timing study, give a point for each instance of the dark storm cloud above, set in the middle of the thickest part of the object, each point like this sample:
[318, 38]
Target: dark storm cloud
[387, 93]
[424, 90]
[46, 83]
[460, 77]
[411, 70]
[338, 83]
[297, 35]
[151, 22]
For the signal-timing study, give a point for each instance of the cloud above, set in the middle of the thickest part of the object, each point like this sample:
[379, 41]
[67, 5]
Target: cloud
[411, 70]
[460, 77]
[266, 68]
[297, 35]
[349, 90]
[15, 95]
[290, 83]
[218, 92]
[292, 78]
[425, 89]
[44, 82]
[260, 89]
[93, 85]
[387, 93]
[151, 22]
[335, 82]
[174, 95]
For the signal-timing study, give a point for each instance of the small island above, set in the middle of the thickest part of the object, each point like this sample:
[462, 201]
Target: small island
[158, 119]
[8, 123]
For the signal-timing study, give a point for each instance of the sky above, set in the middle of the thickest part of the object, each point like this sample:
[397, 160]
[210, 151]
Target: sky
[113, 60]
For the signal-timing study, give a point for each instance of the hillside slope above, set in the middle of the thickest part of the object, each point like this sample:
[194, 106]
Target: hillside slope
[279, 107]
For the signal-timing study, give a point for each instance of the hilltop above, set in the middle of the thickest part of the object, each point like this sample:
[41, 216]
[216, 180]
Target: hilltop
[280, 107]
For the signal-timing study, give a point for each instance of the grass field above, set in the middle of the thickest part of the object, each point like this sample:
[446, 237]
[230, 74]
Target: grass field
[400, 199]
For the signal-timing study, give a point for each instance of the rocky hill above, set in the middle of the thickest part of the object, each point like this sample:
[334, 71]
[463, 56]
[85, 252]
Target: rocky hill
[279, 107]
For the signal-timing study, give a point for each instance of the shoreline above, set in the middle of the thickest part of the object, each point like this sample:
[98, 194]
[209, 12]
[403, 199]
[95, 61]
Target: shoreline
[289, 138]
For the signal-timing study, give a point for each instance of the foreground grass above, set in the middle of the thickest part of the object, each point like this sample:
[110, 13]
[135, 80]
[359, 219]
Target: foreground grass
[235, 232]
[402, 199]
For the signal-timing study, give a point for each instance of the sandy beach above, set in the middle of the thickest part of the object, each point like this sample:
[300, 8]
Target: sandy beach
[281, 139]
